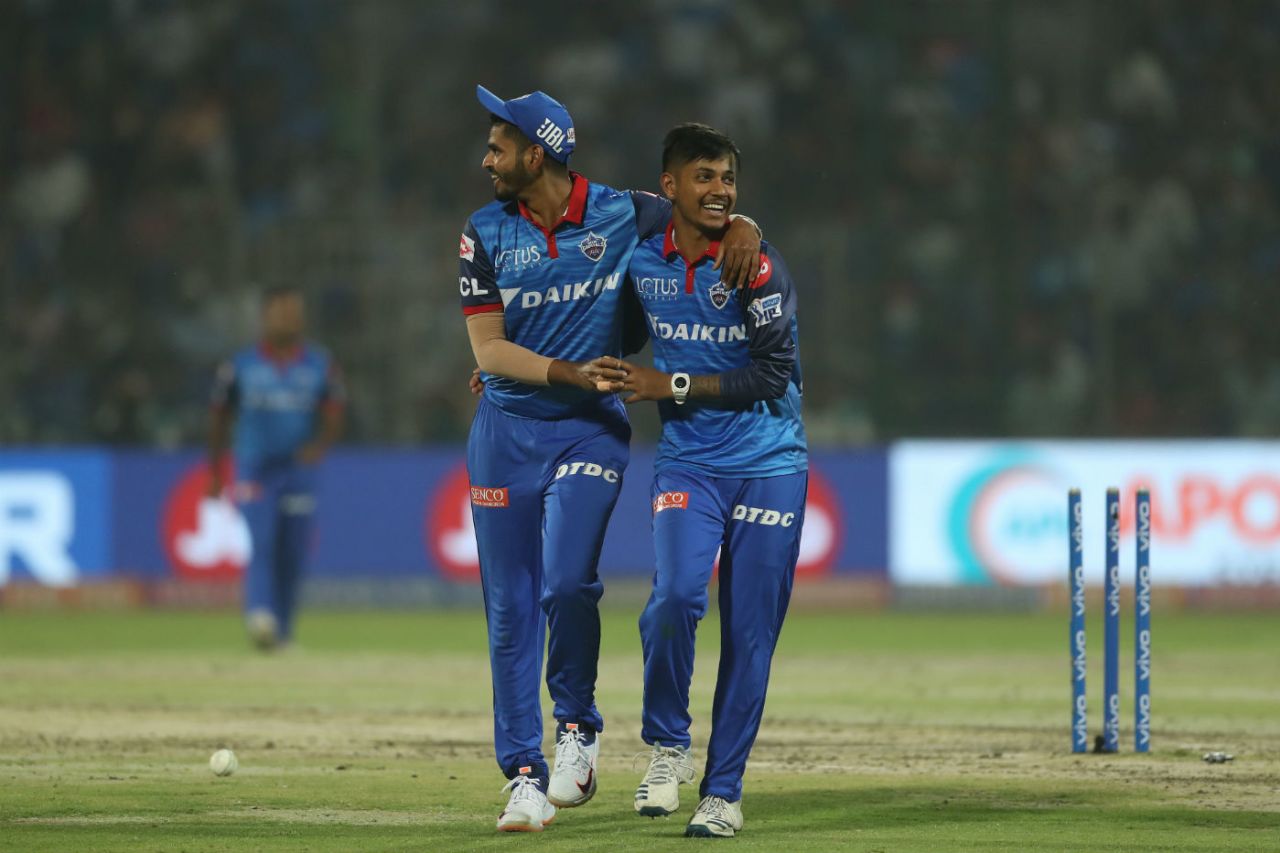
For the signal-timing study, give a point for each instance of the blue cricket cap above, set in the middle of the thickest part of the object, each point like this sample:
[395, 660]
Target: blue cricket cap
[539, 116]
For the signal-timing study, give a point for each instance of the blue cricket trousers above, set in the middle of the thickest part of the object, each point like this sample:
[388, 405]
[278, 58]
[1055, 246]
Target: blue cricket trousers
[278, 504]
[756, 525]
[541, 495]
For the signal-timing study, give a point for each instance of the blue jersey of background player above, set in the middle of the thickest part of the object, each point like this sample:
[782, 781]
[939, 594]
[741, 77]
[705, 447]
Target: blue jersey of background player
[285, 396]
[731, 476]
[542, 275]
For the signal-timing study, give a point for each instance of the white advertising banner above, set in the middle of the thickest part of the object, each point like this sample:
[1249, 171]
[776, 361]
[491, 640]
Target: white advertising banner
[964, 512]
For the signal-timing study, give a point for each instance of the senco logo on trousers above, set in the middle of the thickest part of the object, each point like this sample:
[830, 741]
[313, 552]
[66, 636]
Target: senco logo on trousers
[670, 500]
[766, 517]
[586, 469]
[489, 496]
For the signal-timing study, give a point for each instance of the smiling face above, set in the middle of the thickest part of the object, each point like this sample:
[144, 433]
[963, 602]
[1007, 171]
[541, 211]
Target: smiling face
[703, 192]
[505, 161]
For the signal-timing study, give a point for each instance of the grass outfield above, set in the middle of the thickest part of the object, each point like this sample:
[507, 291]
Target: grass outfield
[884, 732]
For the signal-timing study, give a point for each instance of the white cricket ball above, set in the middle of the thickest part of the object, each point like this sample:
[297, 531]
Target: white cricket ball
[223, 762]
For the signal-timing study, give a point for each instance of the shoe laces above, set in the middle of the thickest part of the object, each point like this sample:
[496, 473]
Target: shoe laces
[716, 807]
[570, 749]
[523, 787]
[667, 763]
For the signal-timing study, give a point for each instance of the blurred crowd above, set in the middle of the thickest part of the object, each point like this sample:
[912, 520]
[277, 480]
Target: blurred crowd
[1032, 218]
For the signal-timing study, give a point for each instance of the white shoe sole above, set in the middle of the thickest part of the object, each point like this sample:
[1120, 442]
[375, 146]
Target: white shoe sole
[580, 801]
[655, 811]
[525, 827]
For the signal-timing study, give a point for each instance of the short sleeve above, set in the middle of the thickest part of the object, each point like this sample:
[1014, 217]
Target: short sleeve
[652, 213]
[477, 283]
[770, 305]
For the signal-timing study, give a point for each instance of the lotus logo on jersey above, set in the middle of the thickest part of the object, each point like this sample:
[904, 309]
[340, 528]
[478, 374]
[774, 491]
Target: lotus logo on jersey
[657, 288]
[467, 251]
[515, 259]
[719, 294]
[766, 517]
[593, 246]
[670, 500]
[489, 496]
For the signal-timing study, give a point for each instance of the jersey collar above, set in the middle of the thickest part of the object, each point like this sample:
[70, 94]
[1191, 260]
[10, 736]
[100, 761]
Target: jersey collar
[576, 210]
[280, 358]
[669, 247]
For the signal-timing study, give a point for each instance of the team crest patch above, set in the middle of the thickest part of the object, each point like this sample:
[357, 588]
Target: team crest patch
[467, 249]
[593, 246]
[719, 294]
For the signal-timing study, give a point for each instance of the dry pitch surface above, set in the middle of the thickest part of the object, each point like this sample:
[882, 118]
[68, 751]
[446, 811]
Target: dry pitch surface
[884, 732]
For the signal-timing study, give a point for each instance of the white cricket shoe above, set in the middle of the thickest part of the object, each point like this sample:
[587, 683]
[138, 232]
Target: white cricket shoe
[528, 809]
[659, 792]
[573, 778]
[715, 817]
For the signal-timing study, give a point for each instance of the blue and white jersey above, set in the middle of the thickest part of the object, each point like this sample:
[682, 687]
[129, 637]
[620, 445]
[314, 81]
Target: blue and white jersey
[560, 289]
[276, 399]
[700, 326]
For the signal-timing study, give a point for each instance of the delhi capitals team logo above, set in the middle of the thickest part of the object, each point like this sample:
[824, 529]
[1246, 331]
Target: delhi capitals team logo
[593, 246]
[719, 294]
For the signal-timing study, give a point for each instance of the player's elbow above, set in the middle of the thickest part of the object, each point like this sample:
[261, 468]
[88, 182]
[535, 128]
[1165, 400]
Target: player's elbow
[772, 379]
[775, 387]
[488, 357]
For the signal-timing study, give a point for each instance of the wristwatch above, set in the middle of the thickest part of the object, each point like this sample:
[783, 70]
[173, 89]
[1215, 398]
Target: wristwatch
[680, 387]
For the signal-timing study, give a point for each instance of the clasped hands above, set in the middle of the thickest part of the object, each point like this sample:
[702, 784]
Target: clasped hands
[610, 375]
[607, 375]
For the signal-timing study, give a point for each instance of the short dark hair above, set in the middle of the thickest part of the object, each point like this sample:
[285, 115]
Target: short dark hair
[692, 141]
[522, 141]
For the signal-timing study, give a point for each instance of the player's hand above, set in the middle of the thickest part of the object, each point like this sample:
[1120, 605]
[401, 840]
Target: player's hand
[476, 384]
[645, 383]
[603, 374]
[738, 257]
[607, 373]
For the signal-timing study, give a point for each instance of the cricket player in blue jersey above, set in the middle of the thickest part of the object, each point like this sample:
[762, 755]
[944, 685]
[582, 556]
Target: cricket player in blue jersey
[730, 476]
[542, 276]
[285, 397]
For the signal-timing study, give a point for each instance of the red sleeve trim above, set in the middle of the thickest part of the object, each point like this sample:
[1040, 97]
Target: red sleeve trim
[766, 272]
[482, 309]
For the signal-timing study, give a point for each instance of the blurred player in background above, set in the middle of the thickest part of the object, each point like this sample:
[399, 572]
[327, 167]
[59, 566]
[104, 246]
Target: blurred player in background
[285, 397]
[542, 274]
[730, 476]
